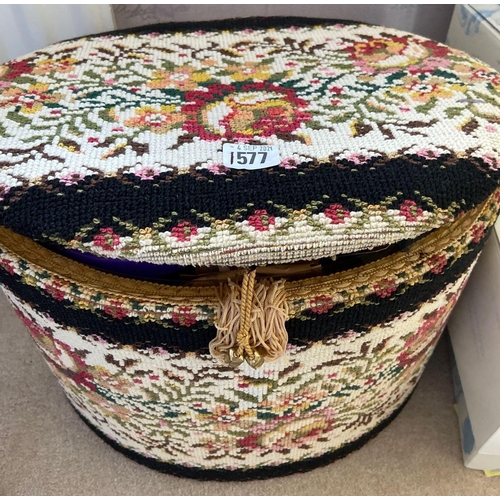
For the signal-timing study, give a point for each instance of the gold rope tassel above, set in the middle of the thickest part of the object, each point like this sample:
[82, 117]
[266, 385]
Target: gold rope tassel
[243, 336]
[227, 322]
[250, 322]
[267, 331]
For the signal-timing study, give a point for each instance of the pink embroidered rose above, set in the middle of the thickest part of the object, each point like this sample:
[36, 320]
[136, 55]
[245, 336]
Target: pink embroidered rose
[321, 304]
[478, 232]
[218, 169]
[6, 264]
[147, 173]
[184, 231]
[72, 178]
[107, 240]
[288, 164]
[261, 220]
[491, 161]
[429, 65]
[55, 291]
[437, 263]
[385, 288]
[337, 214]
[410, 211]
[184, 316]
[115, 309]
[357, 159]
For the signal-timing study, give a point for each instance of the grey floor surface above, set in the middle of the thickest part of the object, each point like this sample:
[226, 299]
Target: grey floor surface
[45, 449]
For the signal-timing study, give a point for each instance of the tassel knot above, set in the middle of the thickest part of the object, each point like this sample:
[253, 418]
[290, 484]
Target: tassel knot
[250, 322]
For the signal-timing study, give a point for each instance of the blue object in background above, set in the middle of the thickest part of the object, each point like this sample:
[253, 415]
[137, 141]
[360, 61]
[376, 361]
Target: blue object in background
[470, 22]
[467, 436]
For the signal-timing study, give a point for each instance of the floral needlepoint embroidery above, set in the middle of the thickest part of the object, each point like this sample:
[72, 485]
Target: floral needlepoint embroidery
[340, 103]
[378, 49]
[437, 264]
[184, 316]
[7, 265]
[184, 231]
[115, 309]
[31, 101]
[478, 231]
[321, 304]
[72, 178]
[57, 66]
[423, 88]
[147, 173]
[55, 290]
[182, 78]
[261, 220]
[385, 288]
[245, 111]
[158, 120]
[423, 340]
[410, 211]
[107, 239]
[337, 214]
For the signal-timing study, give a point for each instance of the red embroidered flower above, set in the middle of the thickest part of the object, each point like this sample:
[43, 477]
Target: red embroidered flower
[84, 378]
[107, 240]
[478, 232]
[437, 263]
[16, 69]
[378, 49]
[115, 309]
[6, 264]
[243, 111]
[417, 345]
[385, 288]
[184, 231]
[184, 316]
[410, 210]
[261, 220]
[495, 81]
[321, 304]
[55, 291]
[36, 331]
[337, 214]
[435, 49]
[251, 441]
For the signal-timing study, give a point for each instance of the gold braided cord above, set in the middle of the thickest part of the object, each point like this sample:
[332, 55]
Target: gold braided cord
[268, 329]
[227, 321]
[247, 298]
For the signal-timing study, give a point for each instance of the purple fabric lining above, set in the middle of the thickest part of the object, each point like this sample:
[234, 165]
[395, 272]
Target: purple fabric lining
[128, 269]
